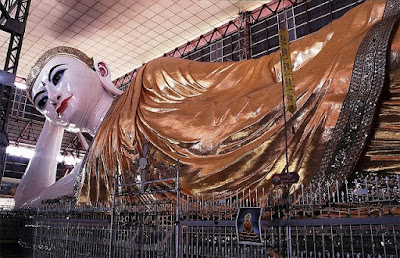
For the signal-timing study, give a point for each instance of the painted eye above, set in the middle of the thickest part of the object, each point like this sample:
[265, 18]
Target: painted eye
[42, 102]
[57, 76]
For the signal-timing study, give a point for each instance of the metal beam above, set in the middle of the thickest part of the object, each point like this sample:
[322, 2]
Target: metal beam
[23, 132]
[16, 27]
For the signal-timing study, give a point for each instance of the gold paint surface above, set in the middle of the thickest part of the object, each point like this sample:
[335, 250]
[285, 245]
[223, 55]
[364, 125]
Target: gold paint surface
[224, 121]
[383, 152]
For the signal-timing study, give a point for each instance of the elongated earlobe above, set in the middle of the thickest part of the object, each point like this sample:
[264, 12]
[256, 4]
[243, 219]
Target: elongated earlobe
[105, 77]
[103, 69]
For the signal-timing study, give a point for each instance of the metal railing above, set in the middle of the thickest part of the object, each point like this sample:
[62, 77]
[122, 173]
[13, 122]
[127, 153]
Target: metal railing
[360, 218]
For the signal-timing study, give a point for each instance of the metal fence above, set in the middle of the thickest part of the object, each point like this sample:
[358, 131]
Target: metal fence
[150, 217]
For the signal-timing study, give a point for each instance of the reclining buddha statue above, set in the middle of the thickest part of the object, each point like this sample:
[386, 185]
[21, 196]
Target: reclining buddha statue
[223, 122]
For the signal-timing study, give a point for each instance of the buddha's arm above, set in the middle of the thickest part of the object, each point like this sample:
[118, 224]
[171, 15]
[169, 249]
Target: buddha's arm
[41, 170]
[64, 186]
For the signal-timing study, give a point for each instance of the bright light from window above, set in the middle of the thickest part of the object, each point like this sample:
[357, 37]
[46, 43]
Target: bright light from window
[28, 153]
[68, 160]
[7, 203]
[21, 86]
[20, 152]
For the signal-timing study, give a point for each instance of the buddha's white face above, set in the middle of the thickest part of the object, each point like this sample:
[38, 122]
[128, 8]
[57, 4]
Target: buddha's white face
[66, 92]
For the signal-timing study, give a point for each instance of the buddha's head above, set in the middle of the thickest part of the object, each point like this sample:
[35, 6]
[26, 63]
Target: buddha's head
[65, 85]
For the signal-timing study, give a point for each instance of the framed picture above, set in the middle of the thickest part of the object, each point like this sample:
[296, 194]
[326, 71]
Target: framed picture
[248, 228]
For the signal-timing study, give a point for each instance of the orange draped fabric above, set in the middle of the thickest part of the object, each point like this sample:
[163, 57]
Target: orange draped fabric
[224, 121]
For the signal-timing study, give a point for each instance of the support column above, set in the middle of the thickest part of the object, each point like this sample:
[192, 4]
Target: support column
[16, 27]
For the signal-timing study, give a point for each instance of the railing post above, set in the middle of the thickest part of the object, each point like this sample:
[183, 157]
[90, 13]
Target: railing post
[177, 224]
[112, 219]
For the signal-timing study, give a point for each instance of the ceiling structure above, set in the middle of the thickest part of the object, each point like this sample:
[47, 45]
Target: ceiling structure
[124, 34]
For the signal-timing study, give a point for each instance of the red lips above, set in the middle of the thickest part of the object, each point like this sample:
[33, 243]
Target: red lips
[63, 105]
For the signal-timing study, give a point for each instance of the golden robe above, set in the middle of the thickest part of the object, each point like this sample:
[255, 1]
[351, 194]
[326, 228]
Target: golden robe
[224, 121]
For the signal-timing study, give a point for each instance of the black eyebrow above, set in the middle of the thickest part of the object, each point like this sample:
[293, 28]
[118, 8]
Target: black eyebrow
[37, 94]
[51, 70]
